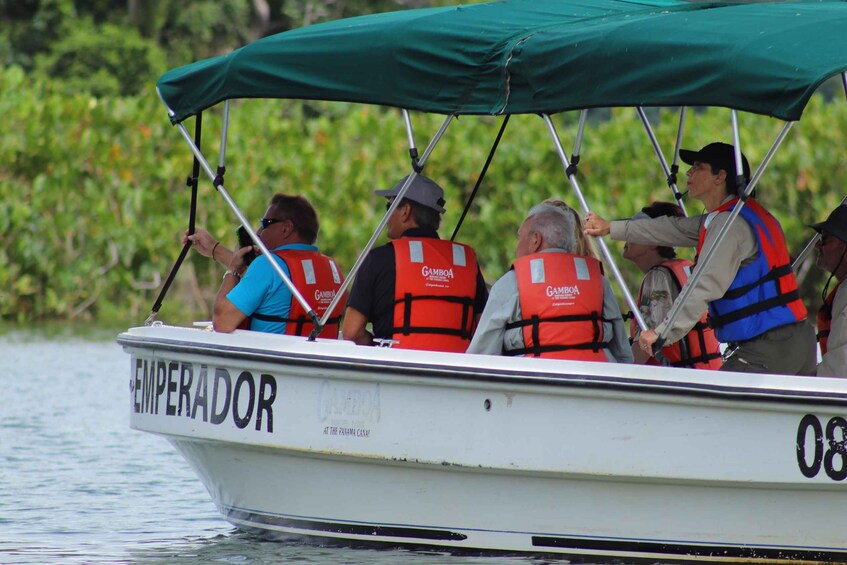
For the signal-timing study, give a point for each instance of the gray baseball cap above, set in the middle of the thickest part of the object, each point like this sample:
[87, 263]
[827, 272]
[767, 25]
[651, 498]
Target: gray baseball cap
[422, 190]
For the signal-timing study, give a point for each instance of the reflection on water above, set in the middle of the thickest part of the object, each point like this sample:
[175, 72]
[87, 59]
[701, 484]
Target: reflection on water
[77, 485]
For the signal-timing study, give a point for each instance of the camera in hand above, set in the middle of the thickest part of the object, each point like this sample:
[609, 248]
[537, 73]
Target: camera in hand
[244, 240]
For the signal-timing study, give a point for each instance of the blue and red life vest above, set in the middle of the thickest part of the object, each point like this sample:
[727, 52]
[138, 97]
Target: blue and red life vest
[318, 278]
[434, 292]
[764, 294]
[561, 297]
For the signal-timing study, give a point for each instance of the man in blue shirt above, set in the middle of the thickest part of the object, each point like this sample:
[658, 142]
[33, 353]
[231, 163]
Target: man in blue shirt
[289, 230]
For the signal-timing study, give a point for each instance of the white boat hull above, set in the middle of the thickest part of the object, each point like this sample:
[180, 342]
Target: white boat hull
[481, 453]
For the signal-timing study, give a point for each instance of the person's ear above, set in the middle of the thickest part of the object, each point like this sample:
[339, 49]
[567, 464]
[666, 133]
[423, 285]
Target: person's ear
[405, 211]
[535, 242]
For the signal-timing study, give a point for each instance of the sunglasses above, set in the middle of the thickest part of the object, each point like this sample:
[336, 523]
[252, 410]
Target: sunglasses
[266, 222]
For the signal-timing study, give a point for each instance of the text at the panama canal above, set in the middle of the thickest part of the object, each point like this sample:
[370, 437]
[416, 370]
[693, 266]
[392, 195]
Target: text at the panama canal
[183, 390]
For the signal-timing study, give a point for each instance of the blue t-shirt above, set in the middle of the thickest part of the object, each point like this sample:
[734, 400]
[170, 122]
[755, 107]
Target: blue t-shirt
[262, 291]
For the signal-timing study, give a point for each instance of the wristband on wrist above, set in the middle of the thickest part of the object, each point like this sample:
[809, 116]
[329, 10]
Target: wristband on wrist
[234, 274]
[215, 248]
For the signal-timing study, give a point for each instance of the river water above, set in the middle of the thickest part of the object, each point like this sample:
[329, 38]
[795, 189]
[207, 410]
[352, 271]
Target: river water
[77, 485]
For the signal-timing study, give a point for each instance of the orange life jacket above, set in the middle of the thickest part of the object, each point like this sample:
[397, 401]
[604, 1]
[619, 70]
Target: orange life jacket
[825, 319]
[318, 278]
[561, 298]
[434, 292]
[764, 293]
[699, 348]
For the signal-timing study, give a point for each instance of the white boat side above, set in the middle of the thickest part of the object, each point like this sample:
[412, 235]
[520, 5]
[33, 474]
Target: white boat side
[486, 453]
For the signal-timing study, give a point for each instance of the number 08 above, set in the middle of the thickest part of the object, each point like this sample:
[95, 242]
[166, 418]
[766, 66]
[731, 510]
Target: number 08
[834, 460]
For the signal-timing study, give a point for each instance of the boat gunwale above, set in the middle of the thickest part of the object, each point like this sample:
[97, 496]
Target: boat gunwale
[633, 385]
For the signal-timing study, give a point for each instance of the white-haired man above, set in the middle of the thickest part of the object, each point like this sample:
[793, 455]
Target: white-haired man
[552, 303]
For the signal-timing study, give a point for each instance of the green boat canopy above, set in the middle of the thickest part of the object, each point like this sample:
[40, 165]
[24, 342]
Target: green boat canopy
[539, 56]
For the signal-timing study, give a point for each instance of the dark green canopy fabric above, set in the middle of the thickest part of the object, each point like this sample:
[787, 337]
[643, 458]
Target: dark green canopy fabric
[532, 56]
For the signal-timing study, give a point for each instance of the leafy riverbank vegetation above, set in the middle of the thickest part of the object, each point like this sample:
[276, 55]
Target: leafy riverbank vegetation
[94, 201]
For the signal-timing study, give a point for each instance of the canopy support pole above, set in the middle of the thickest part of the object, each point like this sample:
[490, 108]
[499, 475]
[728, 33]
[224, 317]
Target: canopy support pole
[192, 218]
[218, 182]
[740, 180]
[815, 238]
[603, 247]
[670, 172]
[224, 136]
[481, 176]
[577, 145]
[747, 191]
[420, 163]
[417, 165]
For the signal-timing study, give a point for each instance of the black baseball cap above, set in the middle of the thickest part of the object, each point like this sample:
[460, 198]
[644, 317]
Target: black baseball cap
[718, 155]
[835, 224]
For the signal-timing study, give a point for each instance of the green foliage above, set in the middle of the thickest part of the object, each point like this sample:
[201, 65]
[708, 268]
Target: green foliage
[93, 198]
[104, 60]
[96, 46]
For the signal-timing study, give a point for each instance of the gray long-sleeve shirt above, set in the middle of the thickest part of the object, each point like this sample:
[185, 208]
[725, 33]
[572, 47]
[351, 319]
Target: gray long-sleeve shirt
[738, 248]
[504, 306]
[834, 363]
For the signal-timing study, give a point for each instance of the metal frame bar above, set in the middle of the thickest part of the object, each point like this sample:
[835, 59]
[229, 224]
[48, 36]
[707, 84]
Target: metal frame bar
[224, 137]
[420, 163]
[580, 130]
[704, 262]
[740, 181]
[603, 247]
[669, 173]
